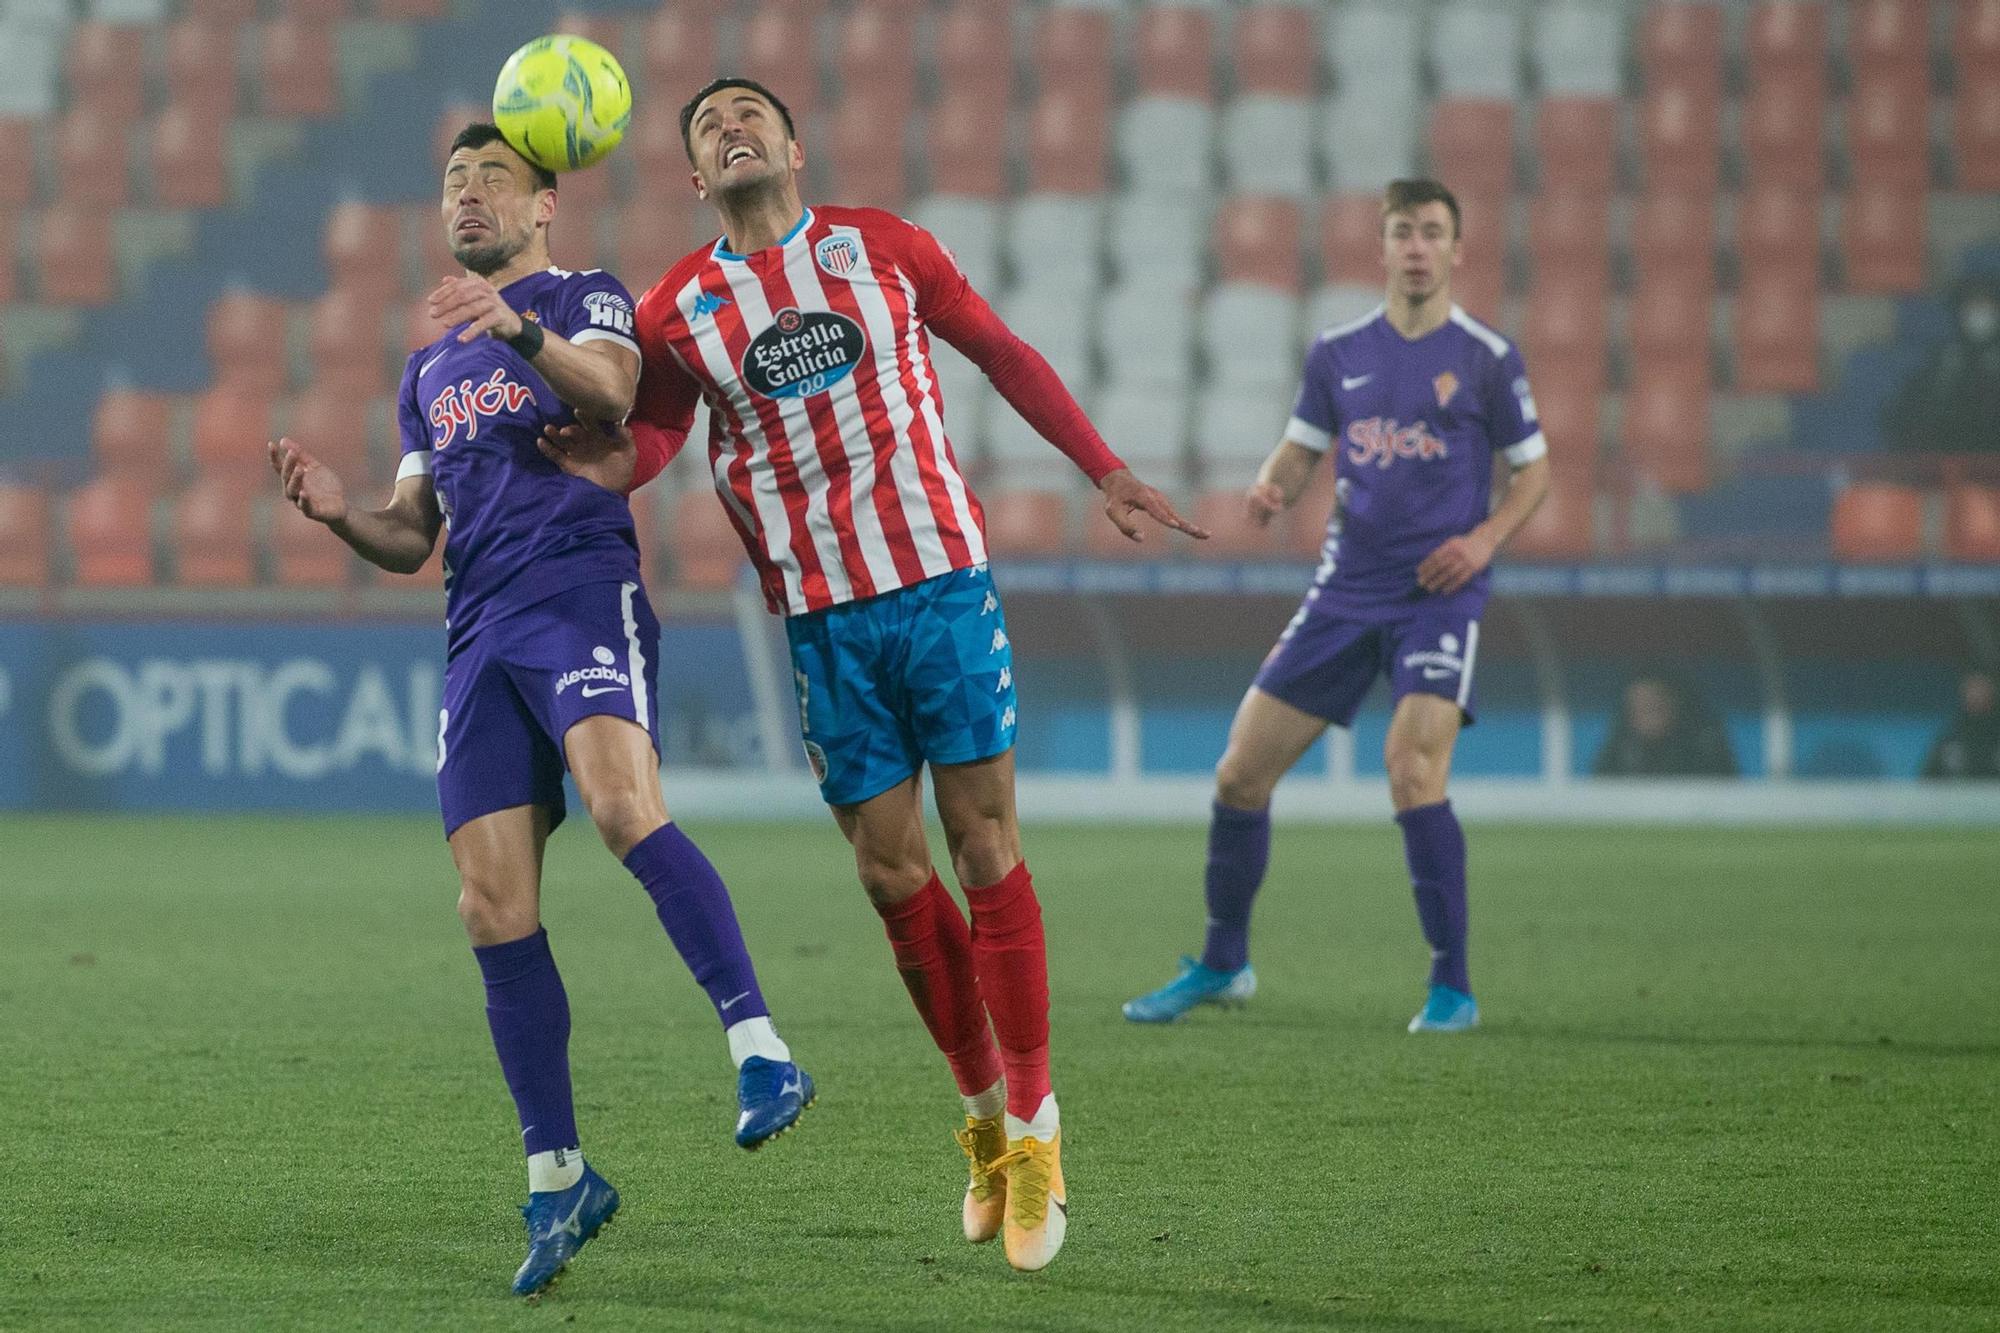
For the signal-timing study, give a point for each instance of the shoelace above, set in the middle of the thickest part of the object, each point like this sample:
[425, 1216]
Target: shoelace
[983, 1173]
[1027, 1189]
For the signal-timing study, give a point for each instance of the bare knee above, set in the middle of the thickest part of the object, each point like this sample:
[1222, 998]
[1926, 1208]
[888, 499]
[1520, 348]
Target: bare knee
[891, 876]
[1416, 776]
[625, 813]
[495, 910]
[984, 852]
[1240, 786]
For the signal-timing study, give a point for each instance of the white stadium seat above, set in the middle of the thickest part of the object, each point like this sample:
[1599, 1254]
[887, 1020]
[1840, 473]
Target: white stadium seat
[1249, 334]
[1163, 242]
[1145, 424]
[970, 229]
[1476, 50]
[1267, 146]
[1367, 145]
[1337, 304]
[1055, 321]
[1236, 427]
[1146, 334]
[1056, 240]
[1167, 146]
[1374, 46]
[1577, 46]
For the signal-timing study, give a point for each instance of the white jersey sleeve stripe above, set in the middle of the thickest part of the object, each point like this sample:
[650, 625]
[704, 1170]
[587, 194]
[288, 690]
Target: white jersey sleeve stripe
[1308, 436]
[1495, 344]
[416, 463]
[605, 336]
[1527, 451]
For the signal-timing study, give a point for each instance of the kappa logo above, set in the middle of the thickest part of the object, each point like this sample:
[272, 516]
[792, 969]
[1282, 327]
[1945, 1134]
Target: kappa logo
[463, 404]
[837, 254]
[1381, 441]
[708, 303]
[999, 640]
[1006, 679]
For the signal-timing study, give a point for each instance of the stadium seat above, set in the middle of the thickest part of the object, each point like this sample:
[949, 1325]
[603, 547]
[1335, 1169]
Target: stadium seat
[1056, 240]
[1231, 533]
[1567, 326]
[108, 527]
[1776, 335]
[863, 142]
[680, 49]
[246, 335]
[1783, 131]
[1073, 53]
[1350, 239]
[1786, 35]
[778, 47]
[1267, 146]
[706, 550]
[1888, 35]
[607, 30]
[1975, 41]
[1472, 145]
[1563, 527]
[1882, 240]
[363, 245]
[1576, 141]
[397, 11]
[1167, 146]
[129, 436]
[24, 536]
[1375, 46]
[874, 54]
[212, 545]
[1249, 334]
[1878, 523]
[655, 229]
[1027, 523]
[1146, 421]
[1666, 426]
[1145, 334]
[106, 70]
[972, 52]
[1162, 242]
[1174, 52]
[224, 11]
[93, 160]
[73, 257]
[303, 553]
[200, 64]
[1570, 232]
[966, 147]
[1673, 239]
[1579, 50]
[1680, 134]
[231, 429]
[1971, 523]
[333, 11]
[1257, 240]
[1888, 130]
[1680, 43]
[970, 229]
[1569, 408]
[333, 427]
[1236, 427]
[1275, 49]
[1778, 232]
[189, 166]
[1335, 305]
[1368, 137]
[19, 173]
[1068, 143]
[298, 69]
[1482, 238]
[1476, 50]
[1975, 137]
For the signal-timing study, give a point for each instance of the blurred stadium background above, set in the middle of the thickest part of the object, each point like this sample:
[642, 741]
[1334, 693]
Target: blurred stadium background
[1727, 236]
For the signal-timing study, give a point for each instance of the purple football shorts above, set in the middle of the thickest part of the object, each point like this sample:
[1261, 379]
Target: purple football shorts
[1325, 663]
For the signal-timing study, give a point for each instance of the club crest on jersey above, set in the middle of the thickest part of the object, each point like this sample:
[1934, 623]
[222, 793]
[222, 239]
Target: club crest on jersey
[464, 403]
[837, 255]
[803, 353]
[1381, 442]
[1446, 385]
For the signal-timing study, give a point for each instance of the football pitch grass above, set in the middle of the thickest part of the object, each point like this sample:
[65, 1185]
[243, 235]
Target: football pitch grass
[1728, 1079]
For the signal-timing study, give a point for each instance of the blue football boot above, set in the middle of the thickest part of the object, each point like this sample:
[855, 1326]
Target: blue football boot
[561, 1222]
[772, 1095]
[1195, 985]
[1446, 1010]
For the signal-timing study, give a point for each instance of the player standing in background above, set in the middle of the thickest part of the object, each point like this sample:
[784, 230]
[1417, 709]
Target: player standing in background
[552, 659]
[807, 332]
[1418, 397]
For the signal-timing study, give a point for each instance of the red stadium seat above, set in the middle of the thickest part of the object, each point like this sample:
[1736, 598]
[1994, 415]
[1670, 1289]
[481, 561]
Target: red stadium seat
[1680, 139]
[1073, 53]
[1257, 240]
[680, 50]
[19, 174]
[1971, 524]
[347, 343]
[1482, 270]
[1777, 231]
[1350, 239]
[1570, 409]
[1563, 527]
[654, 140]
[1882, 240]
[1576, 139]
[967, 147]
[1673, 239]
[1975, 139]
[1276, 49]
[200, 59]
[333, 427]
[224, 11]
[1232, 536]
[778, 46]
[303, 553]
[410, 10]
[1567, 326]
[231, 430]
[1027, 523]
[1068, 143]
[213, 545]
[706, 550]
[329, 11]
[1681, 43]
[189, 166]
[299, 71]
[1888, 130]
[1472, 145]
[863, 145]
[875, 55]
[1888, 34]
[93, 160]
[24, 536]
[607, 30]
[1776, 335]
[1666, 426]
[1784, 131]
[1878, 523]
[972, 50]
[1570, 233]
[655, 231]
[1174, 52]
[107, 70]
[129, 436]
[363, 245]
[1975, 43]
[247, 343]
[108, 525]
[1787, 35]
[73, 257]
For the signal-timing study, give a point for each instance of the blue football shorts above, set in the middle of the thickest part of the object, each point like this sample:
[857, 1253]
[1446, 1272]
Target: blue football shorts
[920, 675]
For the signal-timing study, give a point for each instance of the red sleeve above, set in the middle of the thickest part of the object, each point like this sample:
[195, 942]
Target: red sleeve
[664, 412]
[1024, 378]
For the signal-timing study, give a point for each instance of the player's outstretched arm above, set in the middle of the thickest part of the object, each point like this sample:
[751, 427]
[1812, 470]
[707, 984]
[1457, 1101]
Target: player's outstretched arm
[1279, 482]
[597, 379]
[1125, 496]
[1460, 559]
[398, 537]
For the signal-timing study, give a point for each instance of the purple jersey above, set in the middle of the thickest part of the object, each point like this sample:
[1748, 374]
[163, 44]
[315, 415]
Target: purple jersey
[518, 529]
[1414, 426]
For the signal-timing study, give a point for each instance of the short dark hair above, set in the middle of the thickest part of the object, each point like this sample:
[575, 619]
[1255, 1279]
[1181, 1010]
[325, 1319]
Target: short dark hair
[1405, 195]
[715, 86]
[480, 133]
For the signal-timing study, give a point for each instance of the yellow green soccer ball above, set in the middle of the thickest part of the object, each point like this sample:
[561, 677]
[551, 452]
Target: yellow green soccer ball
[562, 102]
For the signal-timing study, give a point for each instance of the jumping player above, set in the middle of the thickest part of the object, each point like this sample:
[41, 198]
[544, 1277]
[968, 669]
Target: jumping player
[552, 660]
[808, 332]
[1416, 399]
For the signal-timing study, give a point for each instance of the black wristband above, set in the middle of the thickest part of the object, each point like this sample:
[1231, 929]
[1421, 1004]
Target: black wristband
[528, 342]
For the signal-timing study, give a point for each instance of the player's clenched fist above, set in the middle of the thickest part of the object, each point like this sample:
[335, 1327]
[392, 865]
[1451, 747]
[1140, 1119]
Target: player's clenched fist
[474, 302]
[309, 483]
[1264, 502]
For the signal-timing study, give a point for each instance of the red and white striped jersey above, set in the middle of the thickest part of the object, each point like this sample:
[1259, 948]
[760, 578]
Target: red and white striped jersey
[826, 424]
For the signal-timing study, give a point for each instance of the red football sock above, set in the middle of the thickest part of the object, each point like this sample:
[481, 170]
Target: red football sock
[1013, 967]
[933, 950]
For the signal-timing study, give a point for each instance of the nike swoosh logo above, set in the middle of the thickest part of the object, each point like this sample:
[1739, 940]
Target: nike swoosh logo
[729, 1003]
[433, 361]
[592, 691]
[1438, 673]
[1354, 381]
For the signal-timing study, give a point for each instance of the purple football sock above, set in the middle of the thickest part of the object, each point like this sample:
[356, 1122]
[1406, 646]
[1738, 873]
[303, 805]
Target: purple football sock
[1434, 846]
[529, 1013]
[1239, 847]
[700, 920]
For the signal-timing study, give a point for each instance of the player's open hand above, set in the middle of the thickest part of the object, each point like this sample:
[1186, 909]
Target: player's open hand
[1125, 496]
[309, 483]
[1454, 564]
[474, 302]
[605, 455]
[1264, 502]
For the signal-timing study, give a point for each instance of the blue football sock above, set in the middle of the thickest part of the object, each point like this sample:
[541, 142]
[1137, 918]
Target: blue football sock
[1434, 846]
[695, 908]
[1239, 847]
[528, 1012]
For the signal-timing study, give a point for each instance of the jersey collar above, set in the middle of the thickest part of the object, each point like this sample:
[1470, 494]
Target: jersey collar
[722, 250]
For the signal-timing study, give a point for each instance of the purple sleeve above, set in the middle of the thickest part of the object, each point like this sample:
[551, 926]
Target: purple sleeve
[1314, 423]
[1510, 407]
[595, 307]
[412, 432]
